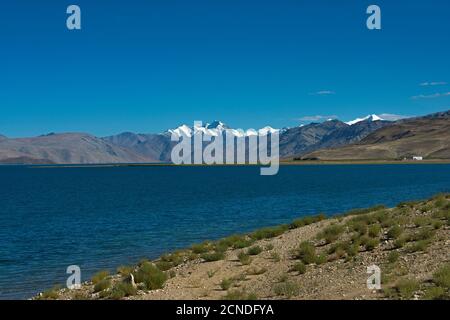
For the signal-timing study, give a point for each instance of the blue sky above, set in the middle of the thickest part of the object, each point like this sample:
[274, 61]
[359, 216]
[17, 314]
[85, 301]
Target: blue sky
[148, 65]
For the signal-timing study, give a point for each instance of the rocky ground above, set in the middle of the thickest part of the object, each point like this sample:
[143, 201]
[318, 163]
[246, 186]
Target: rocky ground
[312, 258]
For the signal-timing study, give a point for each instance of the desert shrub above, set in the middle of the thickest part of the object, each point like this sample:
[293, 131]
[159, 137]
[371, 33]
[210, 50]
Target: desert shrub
[287, 289]
[424, 234]
[102, 285]
[244, 258]
[175, 259]
[394, 232]
[150, 276]
[226, 284]
[269, 232]
[306, 252]
[374, 230]
[400, 242]
[269, 247]
[200, 247]
[437, 224]
[406, 288]
[121, 290]
[381, 216]
[371, 244]
[255, 250]
[51, 294]
[359, 226]
[236, 241]
[393, 256]
[213, 256]
[321, 259]
[338, 246]
[99, 276]
[275, 256]
[163, 265]
[211, 273]
[442, 277]
[240, 295]
[353, 249]
[422, 221]
[300, 222]
[435, 293]
[408, 204]
[388, 222]
[300, 267]
[420, 245]
[331, 233]
[125, 270]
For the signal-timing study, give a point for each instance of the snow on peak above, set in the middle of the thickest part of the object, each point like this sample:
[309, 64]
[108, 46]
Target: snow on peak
[370, 117]
[216, 128]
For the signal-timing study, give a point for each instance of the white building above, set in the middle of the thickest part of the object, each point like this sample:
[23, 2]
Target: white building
[417, 158]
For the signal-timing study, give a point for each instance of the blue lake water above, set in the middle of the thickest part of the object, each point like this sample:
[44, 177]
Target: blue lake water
[103, 217]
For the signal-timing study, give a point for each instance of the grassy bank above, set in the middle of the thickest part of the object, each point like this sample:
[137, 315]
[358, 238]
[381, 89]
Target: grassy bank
[312, 257]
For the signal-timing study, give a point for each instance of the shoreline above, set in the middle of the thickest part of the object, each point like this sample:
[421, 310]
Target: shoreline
[233, 267]
[282, 163]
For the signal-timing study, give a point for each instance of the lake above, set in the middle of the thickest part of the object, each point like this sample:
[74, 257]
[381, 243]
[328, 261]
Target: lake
[103, 217]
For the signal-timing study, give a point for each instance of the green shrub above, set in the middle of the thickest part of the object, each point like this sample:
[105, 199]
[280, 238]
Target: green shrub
[300, 222]
[275, 256]
[393, 256]
[269, 247]
[51, 294]
[306, 252]
[121, 290]
[102, 285]
[437, 224]
[226, 284]
[255, 250]
[400, 242]
[151, 276]
[424, 234]
[287, 289]
[99, 276]
[125, 270]
[435, 293]
[200, 247]
[422, 221]
[407, 287]
[244, 258]
[213, 256]
[371, 244]
[300, 267]
[394, 232]
[269, 232]
[442, 277]
[163, 265]
[374, 230]
[331, 233]
[420, 245]
[353, 249]
[360, 227]
[236, 241]
[321, 259]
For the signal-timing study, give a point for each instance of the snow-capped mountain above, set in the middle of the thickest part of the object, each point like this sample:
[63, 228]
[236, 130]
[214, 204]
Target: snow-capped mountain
[370, 117]
[216, 128]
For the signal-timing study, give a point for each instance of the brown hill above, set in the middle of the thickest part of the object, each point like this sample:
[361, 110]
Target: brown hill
[427, 136]
[65, 148]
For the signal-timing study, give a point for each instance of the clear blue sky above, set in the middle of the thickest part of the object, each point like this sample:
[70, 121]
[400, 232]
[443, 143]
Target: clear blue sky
[148, 65]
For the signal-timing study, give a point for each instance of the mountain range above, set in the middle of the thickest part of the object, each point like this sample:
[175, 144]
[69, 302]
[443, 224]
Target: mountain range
[427, 137]
[367, 137]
